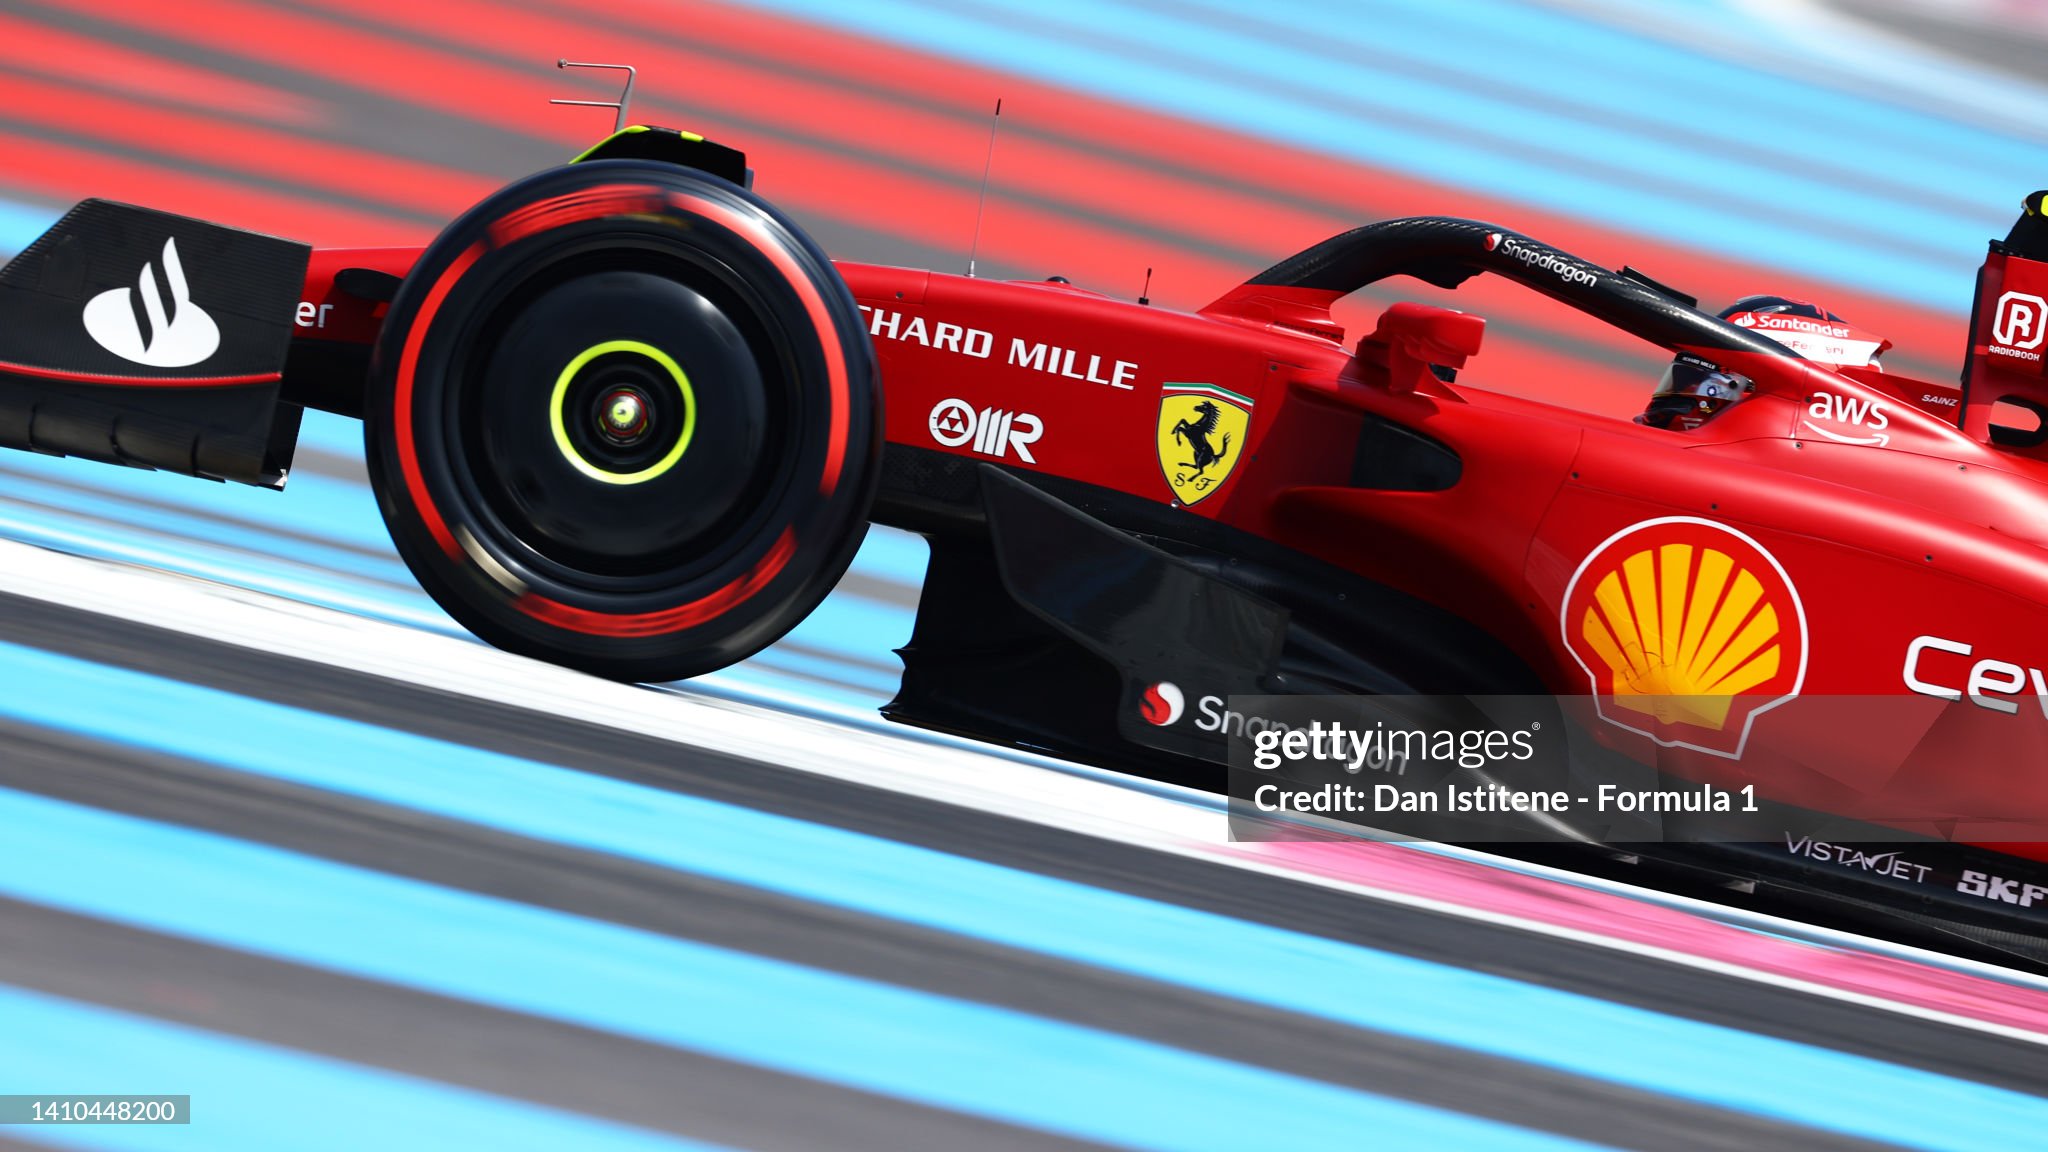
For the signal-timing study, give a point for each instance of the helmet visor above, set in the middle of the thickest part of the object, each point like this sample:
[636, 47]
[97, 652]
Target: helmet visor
[1692, 392]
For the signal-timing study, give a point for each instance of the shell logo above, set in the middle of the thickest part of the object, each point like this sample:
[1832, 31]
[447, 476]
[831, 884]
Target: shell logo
[1688, 630]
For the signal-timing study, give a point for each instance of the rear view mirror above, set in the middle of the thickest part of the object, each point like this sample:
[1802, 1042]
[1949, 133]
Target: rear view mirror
[1417, 336]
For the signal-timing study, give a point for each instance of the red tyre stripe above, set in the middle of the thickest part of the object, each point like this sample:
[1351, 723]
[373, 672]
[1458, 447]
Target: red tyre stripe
[401, 403]
[574, 207]
[840, 418]
[668, 619]
[570, 208]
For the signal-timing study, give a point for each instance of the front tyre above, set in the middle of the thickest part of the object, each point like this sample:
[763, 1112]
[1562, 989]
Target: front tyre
[623, 416]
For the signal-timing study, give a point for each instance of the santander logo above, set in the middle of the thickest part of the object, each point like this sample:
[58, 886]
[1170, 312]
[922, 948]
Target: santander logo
[1163, 703]
[177, 333]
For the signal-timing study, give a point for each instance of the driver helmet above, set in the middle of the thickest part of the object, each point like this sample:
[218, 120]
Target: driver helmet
[1808, 329]
[1693, 390]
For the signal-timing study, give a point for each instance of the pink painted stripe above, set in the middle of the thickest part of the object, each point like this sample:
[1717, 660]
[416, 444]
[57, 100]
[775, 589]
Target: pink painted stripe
[1473, 885]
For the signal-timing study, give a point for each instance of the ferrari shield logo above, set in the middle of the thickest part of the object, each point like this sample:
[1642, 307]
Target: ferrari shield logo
[1201, 432]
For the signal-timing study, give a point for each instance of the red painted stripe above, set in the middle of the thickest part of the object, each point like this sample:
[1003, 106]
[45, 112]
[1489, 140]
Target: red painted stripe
[82, 63]
[137, 381]
[1567, 905]
[1048, 167]
[875, 196]
[62, 172]
[1356, 192]
[286, 156]
[947, 143]
[1128, 193]
[385, 65]
[349, 55]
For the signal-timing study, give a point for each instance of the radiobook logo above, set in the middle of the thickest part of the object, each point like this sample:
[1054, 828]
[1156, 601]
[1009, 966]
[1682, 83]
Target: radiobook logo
[2021, 320]
[151, 328]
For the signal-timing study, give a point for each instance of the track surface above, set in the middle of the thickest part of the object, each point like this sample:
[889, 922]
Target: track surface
[274, 834]
[765, 955]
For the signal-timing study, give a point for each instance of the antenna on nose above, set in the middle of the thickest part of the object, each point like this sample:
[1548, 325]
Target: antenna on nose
[625, 97]
[981, 202]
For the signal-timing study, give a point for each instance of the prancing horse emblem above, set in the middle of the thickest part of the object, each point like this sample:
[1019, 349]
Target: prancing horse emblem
[1201, 434]
[1197, 437]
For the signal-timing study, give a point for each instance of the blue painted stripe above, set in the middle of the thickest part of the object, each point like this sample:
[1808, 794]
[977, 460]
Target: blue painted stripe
[1189, 71]
[766, 681]
[20, 224]
[893, 554]
[1358, 986]
[1574, 60]
[253, 1097]
[874, 685]
[876, 1037]
[832, 626]
[332, 508]
[193, 525]
[857, 626]
[849, 625]
[1497, 121]
[776, 672]
[169, 553]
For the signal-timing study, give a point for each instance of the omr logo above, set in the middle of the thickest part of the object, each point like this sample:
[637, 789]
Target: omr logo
[995, 432]
[155, 332]
[1688, 630]
[1162, 703]
[2021, 320]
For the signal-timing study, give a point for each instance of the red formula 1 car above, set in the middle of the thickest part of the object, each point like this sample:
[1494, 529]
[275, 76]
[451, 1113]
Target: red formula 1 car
[623, 415]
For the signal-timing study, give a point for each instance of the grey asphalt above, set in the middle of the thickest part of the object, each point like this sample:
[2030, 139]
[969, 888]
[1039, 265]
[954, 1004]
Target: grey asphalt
[576, 1069]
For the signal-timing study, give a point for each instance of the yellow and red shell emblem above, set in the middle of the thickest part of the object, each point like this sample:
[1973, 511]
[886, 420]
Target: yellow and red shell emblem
[1688, 630]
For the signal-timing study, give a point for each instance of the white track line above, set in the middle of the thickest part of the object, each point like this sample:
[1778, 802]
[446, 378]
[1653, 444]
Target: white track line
[1082, 803]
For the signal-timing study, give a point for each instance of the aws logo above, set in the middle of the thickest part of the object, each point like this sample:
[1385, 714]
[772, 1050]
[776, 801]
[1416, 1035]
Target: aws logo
[1688, 630]
[1867, 416]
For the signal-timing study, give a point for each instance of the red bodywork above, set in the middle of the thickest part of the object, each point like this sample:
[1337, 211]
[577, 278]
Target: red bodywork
[1892, 553]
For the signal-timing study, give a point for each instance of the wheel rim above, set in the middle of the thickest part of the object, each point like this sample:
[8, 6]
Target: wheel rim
[575, 499]
[458, 456]
[625, 415]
